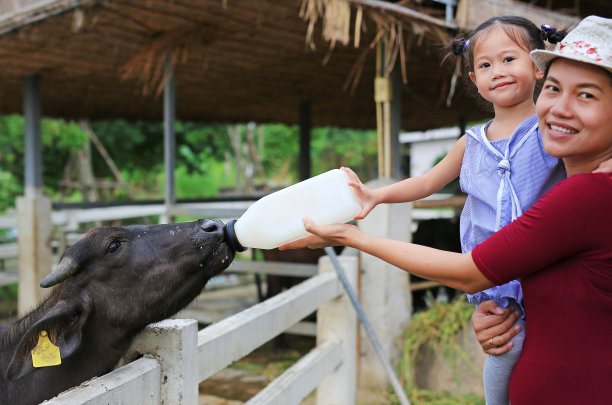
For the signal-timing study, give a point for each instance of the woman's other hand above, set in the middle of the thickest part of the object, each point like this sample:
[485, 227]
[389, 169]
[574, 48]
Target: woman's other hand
[495, 327]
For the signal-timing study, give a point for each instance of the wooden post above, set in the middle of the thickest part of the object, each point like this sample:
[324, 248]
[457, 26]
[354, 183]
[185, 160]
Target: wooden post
[395, 121]
[174, 342]
[337, 321]
[387, 96]
[34, 249]
[33, 209]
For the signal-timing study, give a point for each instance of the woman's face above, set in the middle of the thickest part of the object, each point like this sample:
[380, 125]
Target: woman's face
[575, 114]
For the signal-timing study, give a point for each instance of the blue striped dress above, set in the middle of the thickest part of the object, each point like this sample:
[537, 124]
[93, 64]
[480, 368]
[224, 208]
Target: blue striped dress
[502, 180]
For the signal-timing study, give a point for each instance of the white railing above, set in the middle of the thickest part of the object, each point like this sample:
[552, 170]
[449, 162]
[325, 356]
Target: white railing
[176, 357]
[8, 254]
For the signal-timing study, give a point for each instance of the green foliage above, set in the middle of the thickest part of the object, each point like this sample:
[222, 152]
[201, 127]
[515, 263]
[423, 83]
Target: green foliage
[437, 328]
[59, 139]
[204, 159]
[334, 147]
[281, 152]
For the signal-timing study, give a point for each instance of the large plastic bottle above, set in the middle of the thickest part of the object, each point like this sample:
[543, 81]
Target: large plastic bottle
[277, 218]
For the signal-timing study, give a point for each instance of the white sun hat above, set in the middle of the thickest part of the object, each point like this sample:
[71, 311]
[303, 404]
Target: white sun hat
[590, 42]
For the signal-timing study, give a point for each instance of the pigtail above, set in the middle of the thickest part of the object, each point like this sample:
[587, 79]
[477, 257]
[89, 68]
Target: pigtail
[456, 50]
[551, 34]
[458, 46]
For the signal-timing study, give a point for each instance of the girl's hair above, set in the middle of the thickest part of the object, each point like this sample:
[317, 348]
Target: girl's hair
[522, 31]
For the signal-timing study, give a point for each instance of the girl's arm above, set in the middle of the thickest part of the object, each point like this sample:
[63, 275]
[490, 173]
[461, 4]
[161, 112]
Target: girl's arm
[455, 270]
[413, 188]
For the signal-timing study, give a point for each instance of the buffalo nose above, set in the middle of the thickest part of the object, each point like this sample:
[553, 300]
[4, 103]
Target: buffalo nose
[212, 227]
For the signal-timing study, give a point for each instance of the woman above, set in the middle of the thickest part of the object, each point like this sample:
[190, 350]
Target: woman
[561, 248]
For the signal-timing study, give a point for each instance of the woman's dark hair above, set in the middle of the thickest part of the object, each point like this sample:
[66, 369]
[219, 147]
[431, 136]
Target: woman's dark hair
[522, 31]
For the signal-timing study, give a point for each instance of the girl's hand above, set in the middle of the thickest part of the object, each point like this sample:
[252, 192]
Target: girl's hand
[367, 196]
[604, 167]
[322, 235]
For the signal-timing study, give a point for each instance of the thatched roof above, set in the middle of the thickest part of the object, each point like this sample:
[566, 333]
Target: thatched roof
[235, 60]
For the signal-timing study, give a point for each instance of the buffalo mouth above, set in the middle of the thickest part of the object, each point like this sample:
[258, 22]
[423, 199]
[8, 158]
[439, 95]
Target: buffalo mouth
[219, 260]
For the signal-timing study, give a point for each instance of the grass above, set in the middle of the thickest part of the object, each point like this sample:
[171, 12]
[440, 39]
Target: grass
[438, 329]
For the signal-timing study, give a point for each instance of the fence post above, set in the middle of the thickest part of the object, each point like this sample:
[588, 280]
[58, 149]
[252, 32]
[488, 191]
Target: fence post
[337, 320]
[34, 248]
[384, 289]
[175, 343]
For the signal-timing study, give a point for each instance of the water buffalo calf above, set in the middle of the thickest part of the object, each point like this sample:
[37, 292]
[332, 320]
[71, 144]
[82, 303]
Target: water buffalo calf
[111, 284]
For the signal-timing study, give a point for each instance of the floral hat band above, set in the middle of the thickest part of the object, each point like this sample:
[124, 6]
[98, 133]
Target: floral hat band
[590, 42]
[585, 49]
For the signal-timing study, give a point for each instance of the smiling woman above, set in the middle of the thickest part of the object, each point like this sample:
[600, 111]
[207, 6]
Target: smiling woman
[574, 114]
[560, 249]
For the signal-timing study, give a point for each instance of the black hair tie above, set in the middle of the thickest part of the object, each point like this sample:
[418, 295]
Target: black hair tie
[547, 31]
[459, 46]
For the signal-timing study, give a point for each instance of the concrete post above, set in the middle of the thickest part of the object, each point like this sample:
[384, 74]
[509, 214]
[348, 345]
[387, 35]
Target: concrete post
[384, 289]
[337, 320]
[175, 343]
[34, 249]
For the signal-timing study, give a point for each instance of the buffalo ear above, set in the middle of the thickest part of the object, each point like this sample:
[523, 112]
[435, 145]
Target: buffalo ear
[63, 324]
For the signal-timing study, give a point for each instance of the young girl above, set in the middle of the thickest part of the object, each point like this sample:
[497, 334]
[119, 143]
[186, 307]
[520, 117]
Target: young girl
[561, 248]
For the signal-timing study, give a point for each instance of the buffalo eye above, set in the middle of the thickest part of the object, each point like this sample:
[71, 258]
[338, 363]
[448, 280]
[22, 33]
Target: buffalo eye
[113, 246]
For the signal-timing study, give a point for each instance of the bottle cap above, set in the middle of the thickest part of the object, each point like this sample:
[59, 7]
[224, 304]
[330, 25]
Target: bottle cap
[231, 238]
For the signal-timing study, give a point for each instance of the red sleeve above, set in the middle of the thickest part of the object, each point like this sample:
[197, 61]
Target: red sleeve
[571, 218]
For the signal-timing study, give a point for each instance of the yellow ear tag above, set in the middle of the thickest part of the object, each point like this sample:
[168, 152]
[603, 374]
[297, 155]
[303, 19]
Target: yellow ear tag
[45, 353]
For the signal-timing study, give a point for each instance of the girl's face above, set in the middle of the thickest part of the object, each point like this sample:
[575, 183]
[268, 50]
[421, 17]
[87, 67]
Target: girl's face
[503, 72]
[575, 114]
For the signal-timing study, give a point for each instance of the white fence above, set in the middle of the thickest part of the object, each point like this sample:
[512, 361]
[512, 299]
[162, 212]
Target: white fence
[8, 255]
[176, 357]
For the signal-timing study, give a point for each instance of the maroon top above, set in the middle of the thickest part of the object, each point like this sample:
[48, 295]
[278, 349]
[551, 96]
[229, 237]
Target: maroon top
[561, 249]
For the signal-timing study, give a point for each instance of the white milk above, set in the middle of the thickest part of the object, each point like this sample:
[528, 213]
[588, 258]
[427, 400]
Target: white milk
[277, 218]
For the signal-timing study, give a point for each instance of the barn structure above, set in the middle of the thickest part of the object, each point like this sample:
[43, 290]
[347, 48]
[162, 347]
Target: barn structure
[347, 63]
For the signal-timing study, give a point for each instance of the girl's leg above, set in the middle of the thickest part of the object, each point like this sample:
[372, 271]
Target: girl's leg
[498, 369]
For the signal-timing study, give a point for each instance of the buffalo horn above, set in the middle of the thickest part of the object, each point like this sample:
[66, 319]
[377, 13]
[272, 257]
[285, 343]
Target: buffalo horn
[66, 268]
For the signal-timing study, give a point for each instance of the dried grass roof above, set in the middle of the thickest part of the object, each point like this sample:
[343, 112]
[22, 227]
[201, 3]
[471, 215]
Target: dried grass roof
[235, 60]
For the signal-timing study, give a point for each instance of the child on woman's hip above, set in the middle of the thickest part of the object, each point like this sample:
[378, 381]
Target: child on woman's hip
[501, 164]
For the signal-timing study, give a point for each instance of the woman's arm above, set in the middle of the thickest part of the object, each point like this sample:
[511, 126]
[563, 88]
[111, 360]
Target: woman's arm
[453, 269]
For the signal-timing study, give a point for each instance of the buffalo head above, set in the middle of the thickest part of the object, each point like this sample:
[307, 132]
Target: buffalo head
[110, 285]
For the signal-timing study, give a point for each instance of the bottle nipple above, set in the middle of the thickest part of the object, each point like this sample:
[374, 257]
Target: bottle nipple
[231, 238]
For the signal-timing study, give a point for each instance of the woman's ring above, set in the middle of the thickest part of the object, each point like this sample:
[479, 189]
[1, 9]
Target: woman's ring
[491, 343]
